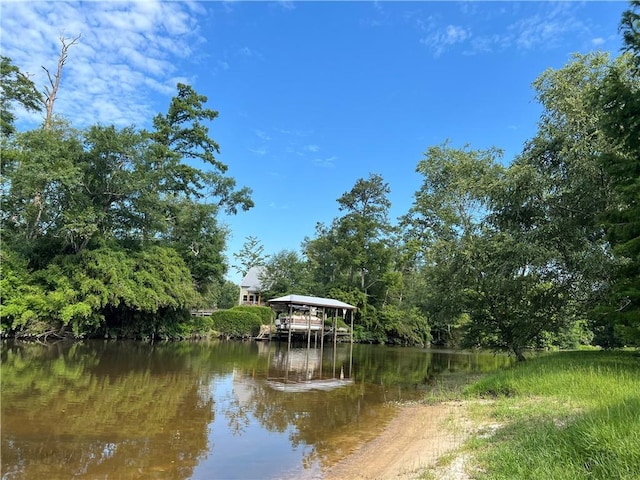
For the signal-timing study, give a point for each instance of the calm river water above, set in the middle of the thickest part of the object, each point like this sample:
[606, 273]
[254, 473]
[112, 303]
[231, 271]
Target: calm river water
[207, 410]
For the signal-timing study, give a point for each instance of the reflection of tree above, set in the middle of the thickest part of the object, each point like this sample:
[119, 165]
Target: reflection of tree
[79, 411]
[412, 368]
[236, 413]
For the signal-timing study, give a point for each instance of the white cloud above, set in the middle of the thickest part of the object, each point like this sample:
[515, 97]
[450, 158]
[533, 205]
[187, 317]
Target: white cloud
[312, 148]
[547, 28]
[443, 39]
[528, 26]
[128, 51]
[455, 34]
[420, 21]
[286, 5]
[324, 162]
[263, 135]
[258, 151]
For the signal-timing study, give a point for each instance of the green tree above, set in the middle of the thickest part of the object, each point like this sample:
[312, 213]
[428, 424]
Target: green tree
[364, 228]
[630, 29]
[442, 226]
[115, 230]
[575, 192]
[108, 186]
[41, 175]
[619, 101]
[286, 272]
[229, 293]
[486, 280]
[197, 236]
[352, 256]
[324, 257]
[15, 87]
[250, 255]
[356, 241]
[180, 138]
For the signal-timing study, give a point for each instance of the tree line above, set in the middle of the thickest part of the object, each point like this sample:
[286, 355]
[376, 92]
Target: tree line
[110, 231]
[544, 252]
[116, 230]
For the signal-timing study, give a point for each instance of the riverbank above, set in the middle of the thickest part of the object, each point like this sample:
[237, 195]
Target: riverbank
[412, 442]
[567, 416]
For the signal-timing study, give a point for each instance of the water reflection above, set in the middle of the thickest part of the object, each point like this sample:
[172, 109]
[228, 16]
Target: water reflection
[299, 369]
[201, 410]
[81, 411]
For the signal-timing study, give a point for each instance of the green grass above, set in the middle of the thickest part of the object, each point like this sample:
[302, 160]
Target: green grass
[567, 415]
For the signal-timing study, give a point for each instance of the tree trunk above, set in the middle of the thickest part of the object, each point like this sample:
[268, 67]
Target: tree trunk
[517, 351]
[54, 80]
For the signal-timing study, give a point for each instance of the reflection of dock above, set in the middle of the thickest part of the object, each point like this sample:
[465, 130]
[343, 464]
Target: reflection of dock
[300, 370]
[328, 384]
[297, 359]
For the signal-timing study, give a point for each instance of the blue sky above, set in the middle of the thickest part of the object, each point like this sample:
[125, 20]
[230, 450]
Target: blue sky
[312, 96]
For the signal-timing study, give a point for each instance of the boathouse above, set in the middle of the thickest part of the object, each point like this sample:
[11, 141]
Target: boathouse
[303, 315]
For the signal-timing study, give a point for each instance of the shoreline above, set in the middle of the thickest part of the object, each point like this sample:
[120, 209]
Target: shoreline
[413, 441]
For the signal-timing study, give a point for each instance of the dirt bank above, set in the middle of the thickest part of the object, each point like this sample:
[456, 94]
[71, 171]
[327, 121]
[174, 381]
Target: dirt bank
[411, 442]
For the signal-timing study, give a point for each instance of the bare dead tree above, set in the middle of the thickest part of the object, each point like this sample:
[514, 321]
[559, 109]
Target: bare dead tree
[50, 93]
[51, 90]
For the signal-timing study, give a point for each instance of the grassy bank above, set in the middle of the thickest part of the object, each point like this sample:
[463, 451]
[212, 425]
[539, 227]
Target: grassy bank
[567, 415]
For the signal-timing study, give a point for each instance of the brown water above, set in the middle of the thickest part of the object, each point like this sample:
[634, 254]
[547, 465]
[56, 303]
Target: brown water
[209, 410]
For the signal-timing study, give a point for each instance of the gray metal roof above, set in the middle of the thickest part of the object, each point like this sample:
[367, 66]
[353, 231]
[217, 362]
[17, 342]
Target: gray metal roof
[251, 280]
[303, 300]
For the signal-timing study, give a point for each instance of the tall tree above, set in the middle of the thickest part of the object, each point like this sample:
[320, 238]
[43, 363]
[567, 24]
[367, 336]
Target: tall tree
[41, 174]
[630, 29]
[364, 228]
[619, 102]
[352, 256]
[444, 225]
[198, 237]
[579, 168]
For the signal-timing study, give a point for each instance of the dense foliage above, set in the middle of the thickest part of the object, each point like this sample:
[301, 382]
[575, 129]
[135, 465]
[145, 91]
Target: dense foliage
[236, 323]
[111, 231]
[263, 313]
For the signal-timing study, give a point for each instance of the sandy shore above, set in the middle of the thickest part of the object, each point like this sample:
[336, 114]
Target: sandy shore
[414, 440]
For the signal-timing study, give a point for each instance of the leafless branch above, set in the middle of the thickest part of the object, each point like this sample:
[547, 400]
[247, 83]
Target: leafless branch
[51, 90]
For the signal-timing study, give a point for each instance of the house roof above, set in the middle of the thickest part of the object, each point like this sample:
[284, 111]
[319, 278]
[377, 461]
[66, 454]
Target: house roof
[251, 280]
[304, 300]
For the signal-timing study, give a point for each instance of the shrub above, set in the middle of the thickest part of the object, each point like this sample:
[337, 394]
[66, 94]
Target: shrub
[263, 313]
[236, 322]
